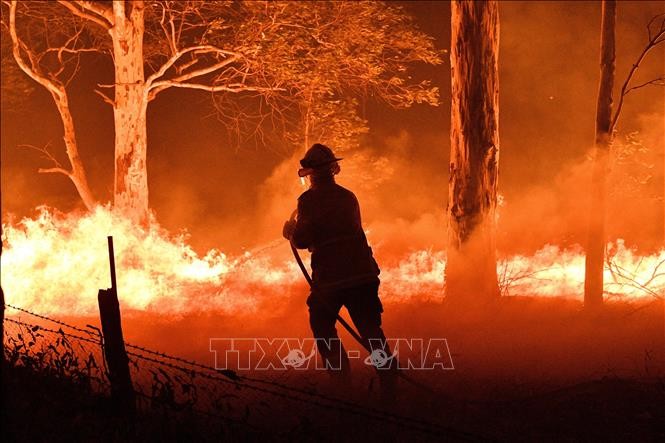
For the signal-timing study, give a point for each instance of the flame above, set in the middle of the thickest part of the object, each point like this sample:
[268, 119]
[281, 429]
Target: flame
[55, 263]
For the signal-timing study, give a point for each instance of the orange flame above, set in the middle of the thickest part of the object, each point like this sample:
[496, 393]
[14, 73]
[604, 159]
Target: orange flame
[55, 264]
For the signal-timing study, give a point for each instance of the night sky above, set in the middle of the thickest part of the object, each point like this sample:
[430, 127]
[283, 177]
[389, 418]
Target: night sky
[199, 181]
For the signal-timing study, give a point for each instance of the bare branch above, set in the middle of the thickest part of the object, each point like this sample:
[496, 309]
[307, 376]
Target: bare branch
[200, 49]
[105, 97]
[64, 48]
[57, 168]
[170, 36]
[653, 19]
[71, 51]
[32, 71]
[203, 71]
[623, 277]
[100, 19]
[182, 68]
[54, 171]
[235, 88]
[660, 81]
[44, 151]
[654, 40]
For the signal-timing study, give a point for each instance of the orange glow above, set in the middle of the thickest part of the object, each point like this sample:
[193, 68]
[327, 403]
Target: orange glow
[55, 264]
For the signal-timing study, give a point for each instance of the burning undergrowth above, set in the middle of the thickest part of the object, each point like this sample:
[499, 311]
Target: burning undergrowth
[55, 263]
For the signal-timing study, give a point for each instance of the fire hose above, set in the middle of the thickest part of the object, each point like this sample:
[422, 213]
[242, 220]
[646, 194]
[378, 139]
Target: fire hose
[341, 320]
[364, 343]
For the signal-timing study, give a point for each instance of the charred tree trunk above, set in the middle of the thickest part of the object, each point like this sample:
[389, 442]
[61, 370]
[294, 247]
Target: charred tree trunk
[595, 247]
[474, 151]
[129, 112]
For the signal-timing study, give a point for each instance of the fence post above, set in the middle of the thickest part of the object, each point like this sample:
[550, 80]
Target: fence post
[122, 391]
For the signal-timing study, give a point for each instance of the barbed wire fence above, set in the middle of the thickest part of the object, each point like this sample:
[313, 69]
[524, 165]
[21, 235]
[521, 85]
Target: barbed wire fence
[55, 353]
[174, 386]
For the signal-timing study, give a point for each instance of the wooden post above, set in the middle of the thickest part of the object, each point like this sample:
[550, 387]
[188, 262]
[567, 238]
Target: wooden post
[117, 361]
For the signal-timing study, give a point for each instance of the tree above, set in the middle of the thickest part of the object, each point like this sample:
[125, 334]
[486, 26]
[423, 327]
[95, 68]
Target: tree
[595, 252]
[606, 122]
[14, 85]
[175, 50]
[474, 151]
[226, 48]
[55, 81]
[330, 55]
[346, 52]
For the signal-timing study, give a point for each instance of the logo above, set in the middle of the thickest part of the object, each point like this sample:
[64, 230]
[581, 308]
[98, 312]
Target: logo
[281, 354]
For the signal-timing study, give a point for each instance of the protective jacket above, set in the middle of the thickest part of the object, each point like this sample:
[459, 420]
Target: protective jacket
[329, 226]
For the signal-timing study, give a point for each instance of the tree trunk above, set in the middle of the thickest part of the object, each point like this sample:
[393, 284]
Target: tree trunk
[77, 174]
[595, 250]
[129, 112]
[474, 151]
[307, 117]
[59, 93]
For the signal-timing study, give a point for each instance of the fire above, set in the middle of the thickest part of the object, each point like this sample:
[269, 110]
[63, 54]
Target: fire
[55, 263]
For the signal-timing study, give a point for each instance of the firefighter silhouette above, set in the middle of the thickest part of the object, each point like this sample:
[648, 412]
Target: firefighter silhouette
[344, 272]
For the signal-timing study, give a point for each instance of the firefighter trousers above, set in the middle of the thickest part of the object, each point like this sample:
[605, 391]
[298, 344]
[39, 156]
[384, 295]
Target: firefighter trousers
[364, 307]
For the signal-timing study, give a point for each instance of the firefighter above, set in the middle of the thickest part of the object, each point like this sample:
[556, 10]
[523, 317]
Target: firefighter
[344, 272]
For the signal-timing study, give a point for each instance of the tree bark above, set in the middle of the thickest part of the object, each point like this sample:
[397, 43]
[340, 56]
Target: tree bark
[474, 152]
[130, 111]
[595, 247]
[77, 174]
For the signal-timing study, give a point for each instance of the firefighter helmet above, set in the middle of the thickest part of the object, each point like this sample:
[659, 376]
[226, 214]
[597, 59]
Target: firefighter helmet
[316, 157]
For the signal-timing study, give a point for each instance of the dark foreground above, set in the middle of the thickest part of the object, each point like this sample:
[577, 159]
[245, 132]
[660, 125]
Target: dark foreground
[38, 408]
[526, 370]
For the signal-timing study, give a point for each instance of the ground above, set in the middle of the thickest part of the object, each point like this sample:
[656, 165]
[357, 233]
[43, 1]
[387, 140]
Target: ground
[525, 369]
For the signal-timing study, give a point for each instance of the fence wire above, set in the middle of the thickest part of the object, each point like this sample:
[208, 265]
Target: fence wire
[173, 385]
[55, 353]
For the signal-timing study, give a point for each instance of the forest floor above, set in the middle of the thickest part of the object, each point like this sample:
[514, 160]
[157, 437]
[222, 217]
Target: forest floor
[526, 369]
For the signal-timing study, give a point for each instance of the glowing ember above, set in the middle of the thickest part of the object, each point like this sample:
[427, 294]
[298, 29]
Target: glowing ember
[56, 263]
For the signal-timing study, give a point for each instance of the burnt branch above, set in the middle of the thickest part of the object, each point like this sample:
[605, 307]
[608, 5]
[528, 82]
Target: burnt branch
[30, 66]
[655, 37]
[46, 154]
[623, 277]
[660, 81]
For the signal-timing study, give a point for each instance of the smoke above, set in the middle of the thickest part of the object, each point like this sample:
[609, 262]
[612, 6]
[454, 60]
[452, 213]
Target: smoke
[549, 79]
[403, 197]
[237, 200]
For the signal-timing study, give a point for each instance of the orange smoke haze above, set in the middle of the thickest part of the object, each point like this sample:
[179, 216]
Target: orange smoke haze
[219, 208]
